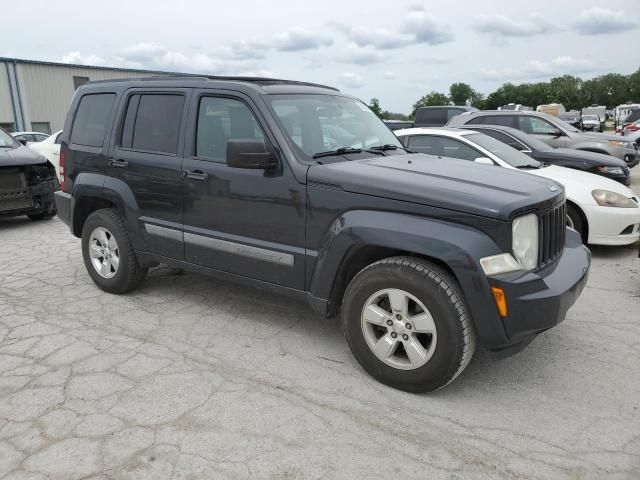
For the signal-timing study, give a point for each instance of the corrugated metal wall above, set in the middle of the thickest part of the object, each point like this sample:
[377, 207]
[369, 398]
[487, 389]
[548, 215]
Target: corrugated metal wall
[46, 90]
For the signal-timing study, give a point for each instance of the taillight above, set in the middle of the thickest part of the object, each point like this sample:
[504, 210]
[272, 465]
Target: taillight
[63, 178]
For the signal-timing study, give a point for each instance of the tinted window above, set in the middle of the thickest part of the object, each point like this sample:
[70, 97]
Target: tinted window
[506, 139]
[91, 119]
[152, 123]
[442, 147]
[220, 120]
[503, 120]
[432, 115]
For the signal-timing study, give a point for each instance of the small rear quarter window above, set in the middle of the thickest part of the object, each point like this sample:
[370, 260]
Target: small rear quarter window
[90, 123]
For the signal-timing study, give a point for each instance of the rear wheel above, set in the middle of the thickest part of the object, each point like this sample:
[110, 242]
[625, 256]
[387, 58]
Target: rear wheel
[108, 253]
[407, 324]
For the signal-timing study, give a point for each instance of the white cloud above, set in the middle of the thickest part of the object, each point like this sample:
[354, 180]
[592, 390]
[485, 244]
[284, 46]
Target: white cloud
[390, 75]
[379, 38]
[426, 28]
[502, 26]
[598, 21]
[298, 38]
[79, 59]
[247, 50]
[535, 69]
[360, 56]
[352, 80]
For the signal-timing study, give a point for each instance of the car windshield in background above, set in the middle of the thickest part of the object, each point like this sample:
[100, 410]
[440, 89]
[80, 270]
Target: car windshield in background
[324, 123]
[566, 126]
[503, 151]
[7, 140]
[590, 117]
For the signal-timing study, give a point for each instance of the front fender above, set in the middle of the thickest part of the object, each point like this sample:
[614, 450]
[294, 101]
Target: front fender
[457, 246]
[594, 146]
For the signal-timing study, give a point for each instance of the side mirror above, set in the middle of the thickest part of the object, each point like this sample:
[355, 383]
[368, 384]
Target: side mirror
[484, 161]
[23, 141]
[245, 153]
[556, 133]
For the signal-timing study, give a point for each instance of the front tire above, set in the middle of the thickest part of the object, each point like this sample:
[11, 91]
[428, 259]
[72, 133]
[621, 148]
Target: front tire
[108, 253]
[575, 221]
[407, 324]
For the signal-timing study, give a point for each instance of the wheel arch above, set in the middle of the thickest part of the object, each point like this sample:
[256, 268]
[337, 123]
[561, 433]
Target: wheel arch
[583, 216]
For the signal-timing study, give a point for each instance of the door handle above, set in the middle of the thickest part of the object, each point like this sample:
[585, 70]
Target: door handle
[118, 163]
[195, 174]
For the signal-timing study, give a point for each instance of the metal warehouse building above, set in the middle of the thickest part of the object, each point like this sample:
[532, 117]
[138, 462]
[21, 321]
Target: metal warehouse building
[35, 96]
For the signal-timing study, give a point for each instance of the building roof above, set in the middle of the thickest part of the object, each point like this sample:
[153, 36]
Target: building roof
[74, 65]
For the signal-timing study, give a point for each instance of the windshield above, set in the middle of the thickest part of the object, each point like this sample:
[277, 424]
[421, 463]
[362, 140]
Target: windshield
[503, 151]
[590, 117]
[322, 123]
[7, 140]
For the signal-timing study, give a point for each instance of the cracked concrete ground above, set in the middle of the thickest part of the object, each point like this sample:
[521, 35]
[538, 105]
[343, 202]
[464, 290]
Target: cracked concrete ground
[192, 378]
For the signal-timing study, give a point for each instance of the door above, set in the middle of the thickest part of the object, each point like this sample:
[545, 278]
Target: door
[244, 221]
[543, 130]
[146, 156]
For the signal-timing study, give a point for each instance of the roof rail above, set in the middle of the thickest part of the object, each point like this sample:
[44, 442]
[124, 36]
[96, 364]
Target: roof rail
[254, 80]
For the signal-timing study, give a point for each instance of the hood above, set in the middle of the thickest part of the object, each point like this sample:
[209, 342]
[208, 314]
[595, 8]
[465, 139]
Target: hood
[459, 185]
[11, 157]
[579, 184]
[590, 158]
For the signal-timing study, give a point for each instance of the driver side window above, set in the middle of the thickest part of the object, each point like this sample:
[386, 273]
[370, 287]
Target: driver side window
[536, 126]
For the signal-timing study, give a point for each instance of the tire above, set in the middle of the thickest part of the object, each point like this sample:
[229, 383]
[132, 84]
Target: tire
[46, 215]
[448, 349]
[575, 221]
[105, 239]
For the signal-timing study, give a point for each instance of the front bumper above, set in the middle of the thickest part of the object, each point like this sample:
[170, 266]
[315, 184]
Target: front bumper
[611, 225]
[537, 301]
[35, 199]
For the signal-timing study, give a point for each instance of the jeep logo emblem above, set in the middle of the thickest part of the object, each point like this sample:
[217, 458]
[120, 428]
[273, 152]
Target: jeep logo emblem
[553, 189]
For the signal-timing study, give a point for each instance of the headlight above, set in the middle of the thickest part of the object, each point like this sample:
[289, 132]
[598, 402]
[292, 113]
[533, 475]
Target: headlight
[605, 198]
[621, 144]
[614, 170]
[525, 240]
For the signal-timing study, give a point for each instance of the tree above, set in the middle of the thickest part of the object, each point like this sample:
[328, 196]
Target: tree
[374, 105]
[431, 99]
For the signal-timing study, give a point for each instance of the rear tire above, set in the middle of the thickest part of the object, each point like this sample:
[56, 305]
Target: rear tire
[433, 334]
[108, 253]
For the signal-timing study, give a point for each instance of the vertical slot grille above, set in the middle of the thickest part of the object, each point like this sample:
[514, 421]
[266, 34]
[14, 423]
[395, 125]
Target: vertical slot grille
[552, 225]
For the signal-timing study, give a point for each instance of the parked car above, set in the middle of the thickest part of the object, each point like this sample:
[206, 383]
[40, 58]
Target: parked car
[554, 109]
[601, 210]
[634, 116]
[599, 110]
[592, 123]
[515, 106]
[439, 116]
[50, 149]
[554, 132]
[397, 124]
[621, 112]
[597, 163]
[26, 138]
[27, 181]
[243, 179]
[632, 132]
[572, 118]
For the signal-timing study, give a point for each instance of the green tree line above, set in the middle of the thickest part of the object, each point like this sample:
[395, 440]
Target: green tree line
[574, 93]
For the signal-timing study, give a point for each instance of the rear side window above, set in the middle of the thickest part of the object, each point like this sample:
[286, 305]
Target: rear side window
[504, 120]
[432, 115]
[442, 147]
[91, 119]
[152, 123]
[506, 139]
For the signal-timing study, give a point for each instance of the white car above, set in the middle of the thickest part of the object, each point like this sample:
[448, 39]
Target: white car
[602, 210]
[26, 138]
[50, 148]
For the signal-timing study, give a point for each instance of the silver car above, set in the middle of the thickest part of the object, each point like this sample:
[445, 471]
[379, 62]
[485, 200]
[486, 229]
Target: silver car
[554, 132]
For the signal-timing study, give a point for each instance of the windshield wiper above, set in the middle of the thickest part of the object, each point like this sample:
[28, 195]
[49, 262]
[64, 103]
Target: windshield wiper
[337, 151]
[389, 146]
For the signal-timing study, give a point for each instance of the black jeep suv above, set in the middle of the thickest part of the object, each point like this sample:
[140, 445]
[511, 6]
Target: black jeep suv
[298, 188]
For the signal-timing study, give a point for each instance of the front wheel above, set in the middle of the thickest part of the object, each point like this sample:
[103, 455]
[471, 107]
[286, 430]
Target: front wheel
[407, 324]
[574, 220]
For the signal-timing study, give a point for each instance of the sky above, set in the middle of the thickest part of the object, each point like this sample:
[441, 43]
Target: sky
[395, 50]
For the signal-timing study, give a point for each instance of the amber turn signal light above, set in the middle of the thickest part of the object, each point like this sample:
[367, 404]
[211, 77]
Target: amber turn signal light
[501, 300]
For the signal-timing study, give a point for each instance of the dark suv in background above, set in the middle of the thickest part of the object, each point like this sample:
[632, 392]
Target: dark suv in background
[300, 189]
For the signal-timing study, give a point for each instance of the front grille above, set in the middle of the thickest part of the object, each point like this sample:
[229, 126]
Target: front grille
[552, 225]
